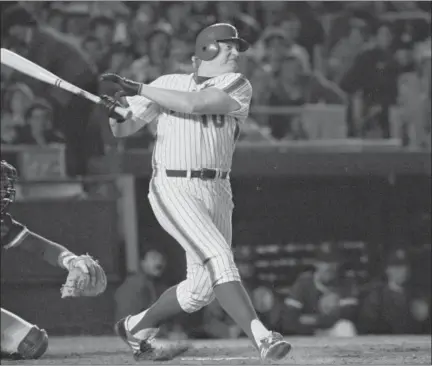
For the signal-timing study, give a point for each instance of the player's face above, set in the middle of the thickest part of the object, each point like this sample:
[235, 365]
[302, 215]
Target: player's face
[227, 59]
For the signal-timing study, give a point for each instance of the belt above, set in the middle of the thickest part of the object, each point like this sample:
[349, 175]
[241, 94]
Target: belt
[204, 174]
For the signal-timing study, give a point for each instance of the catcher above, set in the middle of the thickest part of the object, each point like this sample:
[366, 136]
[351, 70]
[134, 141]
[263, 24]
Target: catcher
[20, 339]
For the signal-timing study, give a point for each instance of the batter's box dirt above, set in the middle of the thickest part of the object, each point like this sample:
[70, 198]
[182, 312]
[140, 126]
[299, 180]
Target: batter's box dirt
[403, 350]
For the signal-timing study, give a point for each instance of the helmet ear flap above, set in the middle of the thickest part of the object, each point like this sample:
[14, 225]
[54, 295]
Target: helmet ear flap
[210, 51]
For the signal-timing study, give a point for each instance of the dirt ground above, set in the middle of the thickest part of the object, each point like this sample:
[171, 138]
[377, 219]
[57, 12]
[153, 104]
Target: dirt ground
[403, 350]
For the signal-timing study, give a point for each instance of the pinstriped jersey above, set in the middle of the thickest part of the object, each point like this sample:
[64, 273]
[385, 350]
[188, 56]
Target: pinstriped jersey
[191, 141]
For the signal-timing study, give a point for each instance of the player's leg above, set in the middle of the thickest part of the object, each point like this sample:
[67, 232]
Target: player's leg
[232, 296]
[191, 223]
[183, 216]
[188, 296]
[20, 339]
[173, 301]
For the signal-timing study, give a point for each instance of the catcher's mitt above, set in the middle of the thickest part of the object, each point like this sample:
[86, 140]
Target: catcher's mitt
[86, 278]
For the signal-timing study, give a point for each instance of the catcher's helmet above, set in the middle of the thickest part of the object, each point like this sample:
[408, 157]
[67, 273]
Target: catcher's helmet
[206, 45]
[8, 178]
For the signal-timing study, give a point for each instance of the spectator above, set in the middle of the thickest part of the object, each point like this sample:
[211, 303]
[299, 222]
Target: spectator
[156, 59]
[394, 306]
[39, 129]
[53, 51]
[77, 16]
[180, 57]
[121, 59]
[295, 85]
[17, 100]
[267, 67]
[311, 34]
[145, 20]
[283, 39]
[179, 21]
[56, 19]
[141, 289]
[201, 13]
[374, 73]
[93, 48]
[231, 12]
[103, 28]
[273, 13]
[322, 301]
[291, 26]
[344, 53]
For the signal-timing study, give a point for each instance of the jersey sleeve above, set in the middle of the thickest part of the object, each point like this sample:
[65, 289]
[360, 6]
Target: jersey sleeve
[240, 89]
[144, 109]
[12, 232]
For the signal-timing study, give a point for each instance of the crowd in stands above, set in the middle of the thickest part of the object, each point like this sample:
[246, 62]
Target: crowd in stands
[367, 57]
[322, 301]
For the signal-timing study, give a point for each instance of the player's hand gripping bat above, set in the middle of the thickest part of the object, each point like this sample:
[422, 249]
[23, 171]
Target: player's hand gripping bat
[33, 70]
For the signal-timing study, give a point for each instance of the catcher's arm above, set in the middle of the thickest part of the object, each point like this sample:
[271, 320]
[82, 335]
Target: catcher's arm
[16, 235]
[85, 278]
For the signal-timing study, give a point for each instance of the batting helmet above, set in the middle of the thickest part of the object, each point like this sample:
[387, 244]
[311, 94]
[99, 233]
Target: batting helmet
[206, 45]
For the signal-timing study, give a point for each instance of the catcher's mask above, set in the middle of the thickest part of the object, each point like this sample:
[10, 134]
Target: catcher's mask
[207, 46]
[8, 179]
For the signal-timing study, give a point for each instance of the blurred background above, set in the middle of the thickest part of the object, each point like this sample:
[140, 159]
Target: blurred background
[331, 176]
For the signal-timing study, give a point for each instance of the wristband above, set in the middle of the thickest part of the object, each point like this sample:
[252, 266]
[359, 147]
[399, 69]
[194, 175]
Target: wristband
[65, 258]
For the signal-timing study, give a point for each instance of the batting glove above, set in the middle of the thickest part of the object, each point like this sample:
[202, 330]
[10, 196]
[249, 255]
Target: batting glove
[110, 103]
[129, 87]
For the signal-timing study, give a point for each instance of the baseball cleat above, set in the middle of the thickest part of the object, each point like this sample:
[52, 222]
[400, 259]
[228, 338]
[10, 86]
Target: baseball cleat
[143, 349]
[274, 347]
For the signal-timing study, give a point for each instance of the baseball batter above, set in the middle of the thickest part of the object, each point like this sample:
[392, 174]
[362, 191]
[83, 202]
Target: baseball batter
[199, 119]
[19, 338]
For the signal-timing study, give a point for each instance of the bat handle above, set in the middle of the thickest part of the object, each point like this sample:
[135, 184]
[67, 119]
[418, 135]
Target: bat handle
[124, 112]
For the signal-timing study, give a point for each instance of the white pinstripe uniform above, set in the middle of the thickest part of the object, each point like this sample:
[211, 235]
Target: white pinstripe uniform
[196, 212]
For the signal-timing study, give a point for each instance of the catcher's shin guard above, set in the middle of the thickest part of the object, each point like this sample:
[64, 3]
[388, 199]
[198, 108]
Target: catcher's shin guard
[32, 347]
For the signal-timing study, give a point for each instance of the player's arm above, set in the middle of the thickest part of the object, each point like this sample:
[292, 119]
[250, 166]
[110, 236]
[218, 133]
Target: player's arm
[208, 101]
[16, 235]
[230, 95]
[144, 112]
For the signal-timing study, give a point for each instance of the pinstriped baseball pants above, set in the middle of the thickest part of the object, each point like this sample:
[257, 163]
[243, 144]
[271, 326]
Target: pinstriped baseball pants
[198, 215]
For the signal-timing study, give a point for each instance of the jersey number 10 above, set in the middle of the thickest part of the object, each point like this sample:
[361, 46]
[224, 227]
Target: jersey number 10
[219, 121]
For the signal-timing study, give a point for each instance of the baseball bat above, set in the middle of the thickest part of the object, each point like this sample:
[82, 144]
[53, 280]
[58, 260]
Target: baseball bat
[33, 70]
